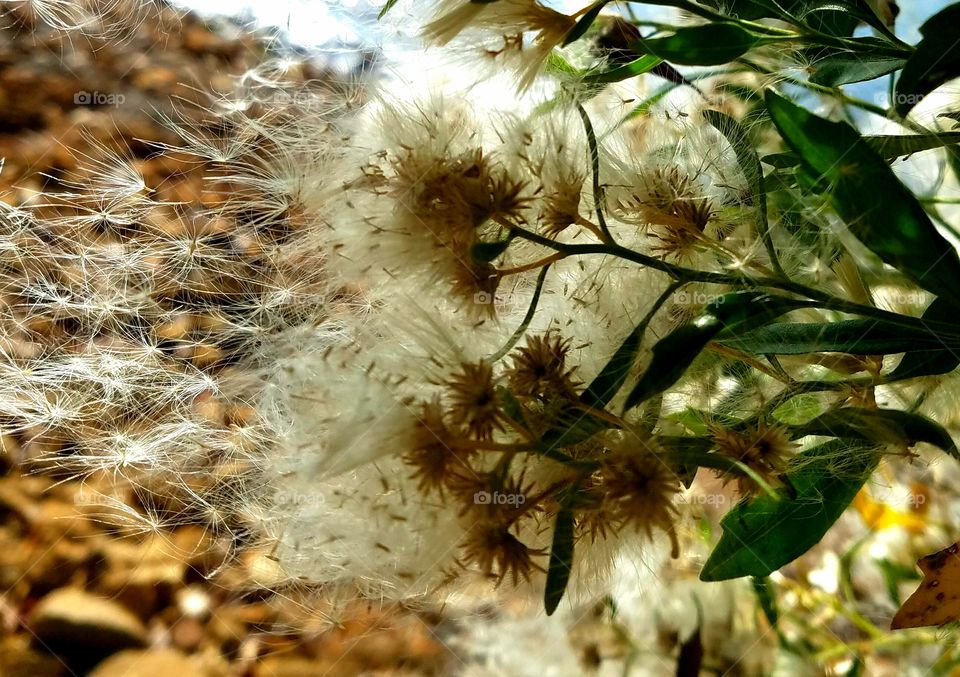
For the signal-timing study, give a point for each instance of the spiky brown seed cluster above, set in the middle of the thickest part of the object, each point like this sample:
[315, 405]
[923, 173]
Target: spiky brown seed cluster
[539, 368]
[672, 208]
[766, 450]
[466, 449]
[473, 446]
[633, 488]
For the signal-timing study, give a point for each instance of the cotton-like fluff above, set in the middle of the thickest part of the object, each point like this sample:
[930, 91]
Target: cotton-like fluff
[407, 455]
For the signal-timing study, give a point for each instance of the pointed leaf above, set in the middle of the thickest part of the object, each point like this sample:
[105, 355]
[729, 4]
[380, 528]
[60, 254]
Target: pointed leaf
[674, 353]
[844, 68]
[937, 359]
[706, 45]
[561, 560]
[749, 163]
[878, 209]
[583, 24]
[857, 337]
[935, 61]
[644, 64]
[882, 426]
[763, 534]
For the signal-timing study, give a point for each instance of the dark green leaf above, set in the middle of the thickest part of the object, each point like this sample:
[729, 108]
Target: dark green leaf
[857, 337]
[611, 378]
[485, 252]
[561, 560]
[687, 454]
[882, 426]
[707, 45]
[765, 533]
[674, 353]
[878, 209]
[888, 146]
[781, 160]
[840, 17]
[584, 23]
[938, 359]
[573, 427]
[898, 145]
[844, 68]
[511, 407]
[935, 61]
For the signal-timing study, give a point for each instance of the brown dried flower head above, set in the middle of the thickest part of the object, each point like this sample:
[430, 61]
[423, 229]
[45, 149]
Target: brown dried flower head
[540, 369]
[764, 449]
[473, 400]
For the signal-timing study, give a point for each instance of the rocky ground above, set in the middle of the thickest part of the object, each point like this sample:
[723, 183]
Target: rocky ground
[78, 595]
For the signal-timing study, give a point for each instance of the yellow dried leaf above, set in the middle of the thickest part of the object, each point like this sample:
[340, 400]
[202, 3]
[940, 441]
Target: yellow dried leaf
[937, 600]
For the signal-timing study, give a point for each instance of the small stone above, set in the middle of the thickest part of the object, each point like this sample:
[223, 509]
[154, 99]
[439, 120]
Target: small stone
[295, 666]
[160, 662]
[188, 634]
[71, 620]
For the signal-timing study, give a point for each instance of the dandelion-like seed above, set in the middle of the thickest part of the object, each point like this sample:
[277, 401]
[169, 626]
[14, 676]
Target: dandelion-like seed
[540, 368]
[634, 487]
[764, 449]
[474, 403]
[499, 554]
[434, 454]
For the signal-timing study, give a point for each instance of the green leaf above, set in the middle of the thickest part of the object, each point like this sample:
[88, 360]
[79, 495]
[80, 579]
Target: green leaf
[840, 17]
[749, 163]
[707, 45]
[386, 8]
[888, 146]
[698, 421]
[608, 382]
[878, 209]
[674, 353]
[857, 337]
[844, 68]
[572, 427]
[584, 23]
[782, 160]
[561, 560]
[636, 67]
[881, 426]
[898, 145]
[764, 534]
[935, 61]
[940, 359]
[511, 407]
